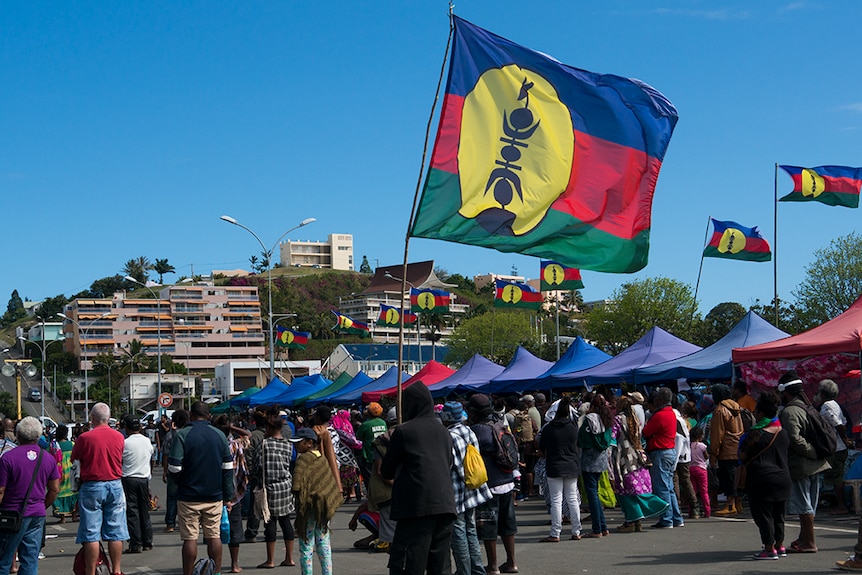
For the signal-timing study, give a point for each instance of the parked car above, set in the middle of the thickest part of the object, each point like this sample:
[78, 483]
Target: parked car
[34, 394]
[49, 425]
[152, 417]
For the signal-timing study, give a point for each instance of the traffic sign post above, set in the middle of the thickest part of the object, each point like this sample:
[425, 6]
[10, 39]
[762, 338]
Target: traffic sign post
[165, 401]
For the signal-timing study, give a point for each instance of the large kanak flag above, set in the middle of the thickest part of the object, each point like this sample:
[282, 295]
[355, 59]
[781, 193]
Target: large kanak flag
[536, 157]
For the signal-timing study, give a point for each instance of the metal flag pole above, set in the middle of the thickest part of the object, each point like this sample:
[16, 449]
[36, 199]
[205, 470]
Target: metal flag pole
[700, 270]
[413, 211]
[775, 247]
[557, 299]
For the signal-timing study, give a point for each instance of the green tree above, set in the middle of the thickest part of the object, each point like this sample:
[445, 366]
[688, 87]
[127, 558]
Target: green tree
[494, 335]
[14, 309]
[134, 358]
[162, 267]
[637, 307]
[791, 318]
[833, 281]
[138, 268]
[103, 288]
[719, 321]
[8, 406]
[365, 267]
[52, 306]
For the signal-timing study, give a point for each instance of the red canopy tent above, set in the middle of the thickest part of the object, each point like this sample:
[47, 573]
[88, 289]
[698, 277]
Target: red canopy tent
[430, 374]
[831, 350]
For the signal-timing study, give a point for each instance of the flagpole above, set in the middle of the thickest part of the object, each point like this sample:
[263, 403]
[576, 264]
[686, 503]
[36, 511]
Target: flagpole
[775, 247]
[557, 298]
[700, 270]
[413, 211]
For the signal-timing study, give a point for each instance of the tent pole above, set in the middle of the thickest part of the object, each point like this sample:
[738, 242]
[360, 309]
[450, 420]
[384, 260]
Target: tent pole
[775, 247]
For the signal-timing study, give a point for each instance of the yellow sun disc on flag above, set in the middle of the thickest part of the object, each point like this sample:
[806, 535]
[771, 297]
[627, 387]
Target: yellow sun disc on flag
[346, 322]
[288, 337]
[512, 294]
[554, 274]
[392, 316]
[732, 241]
[813, 183]
[425, 300]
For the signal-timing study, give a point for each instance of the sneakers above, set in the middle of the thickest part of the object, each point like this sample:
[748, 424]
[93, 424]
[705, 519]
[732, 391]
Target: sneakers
[782, 551]
[661, 525]
[768, 555]
[169, 529]
[381, 547]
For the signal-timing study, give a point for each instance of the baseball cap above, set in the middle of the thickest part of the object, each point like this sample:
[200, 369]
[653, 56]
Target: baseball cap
[303, 433]
[374, 409]
[479, 402]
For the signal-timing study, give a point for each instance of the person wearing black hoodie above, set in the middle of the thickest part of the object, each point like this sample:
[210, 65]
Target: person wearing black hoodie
[419, 460]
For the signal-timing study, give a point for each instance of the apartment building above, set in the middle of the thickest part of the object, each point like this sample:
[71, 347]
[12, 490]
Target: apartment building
[199, 325]
[336, 253]
[385, 289]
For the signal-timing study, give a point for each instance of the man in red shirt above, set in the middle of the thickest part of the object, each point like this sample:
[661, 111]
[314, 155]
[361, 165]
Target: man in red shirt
[101, 502]
[660, 432]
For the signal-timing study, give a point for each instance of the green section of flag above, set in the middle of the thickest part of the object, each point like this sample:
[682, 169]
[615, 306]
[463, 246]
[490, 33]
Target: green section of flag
[567, 240]
[828, 198]
[712, 252]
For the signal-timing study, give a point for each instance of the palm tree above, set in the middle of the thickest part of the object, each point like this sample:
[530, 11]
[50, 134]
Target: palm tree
[134, 358]
[162, 267]
[138, 268]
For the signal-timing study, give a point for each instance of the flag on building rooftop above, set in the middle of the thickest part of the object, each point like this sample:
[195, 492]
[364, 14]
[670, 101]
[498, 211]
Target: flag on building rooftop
[830, 185]
[536, 157]
[291, 339]
[345, 324]
[731, 240]
[391, 316]
[516, 294]
[557, 277]
[426, 300]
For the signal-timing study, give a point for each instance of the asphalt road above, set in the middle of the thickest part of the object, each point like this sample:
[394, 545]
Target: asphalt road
[702, 547]
[34, 408]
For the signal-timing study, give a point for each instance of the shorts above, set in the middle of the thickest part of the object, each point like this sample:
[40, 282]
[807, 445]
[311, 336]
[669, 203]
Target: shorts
[496, 517]
[804, 495]
[837, 460]
[207, 514]
[102, 510]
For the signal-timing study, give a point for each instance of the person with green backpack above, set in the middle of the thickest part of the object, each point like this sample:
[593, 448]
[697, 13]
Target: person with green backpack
[594, 439]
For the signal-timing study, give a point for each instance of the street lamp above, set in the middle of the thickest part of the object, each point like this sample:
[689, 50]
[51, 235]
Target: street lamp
[158, 339]
[268, 254]
[86, 331]
[43, 348]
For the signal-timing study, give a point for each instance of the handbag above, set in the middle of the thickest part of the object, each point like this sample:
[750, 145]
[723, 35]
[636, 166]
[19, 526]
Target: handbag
[10, 521]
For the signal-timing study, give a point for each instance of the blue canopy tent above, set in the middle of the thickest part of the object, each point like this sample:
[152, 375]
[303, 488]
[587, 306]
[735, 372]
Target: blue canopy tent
[524, 367]
[299, 388]
[477, 372]
[226, 406]
[656, 346]
[273, 388]
[385, 381]
[358, 381]
[714, 362]
[579, 355]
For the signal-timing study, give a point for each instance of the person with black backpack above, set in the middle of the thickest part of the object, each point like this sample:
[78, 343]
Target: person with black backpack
[806, 464]
[497, 516]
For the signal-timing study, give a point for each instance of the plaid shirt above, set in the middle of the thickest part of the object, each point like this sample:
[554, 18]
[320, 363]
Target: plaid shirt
[465, 498]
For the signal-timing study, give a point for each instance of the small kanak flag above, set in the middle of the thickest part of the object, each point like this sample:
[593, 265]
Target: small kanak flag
[516, 294]
[291, 339]
[391, 316]
[557, 277]
[830, 185]
[429, 300]
[345, 324]
[731, 240]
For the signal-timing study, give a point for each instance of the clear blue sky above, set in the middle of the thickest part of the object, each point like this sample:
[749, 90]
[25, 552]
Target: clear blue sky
[128, 128]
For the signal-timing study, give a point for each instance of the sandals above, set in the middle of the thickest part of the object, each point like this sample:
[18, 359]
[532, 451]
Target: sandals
[506, 568]
[795, 547]
[549, 539]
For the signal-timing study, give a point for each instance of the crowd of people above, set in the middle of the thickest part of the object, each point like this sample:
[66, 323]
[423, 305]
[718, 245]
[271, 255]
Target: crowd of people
[435, 490]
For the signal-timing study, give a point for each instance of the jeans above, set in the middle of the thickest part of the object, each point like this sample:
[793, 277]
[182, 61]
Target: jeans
[27, 541]
[465, 545]
[661, 474]
[591, 486]
[564, 487]
[171, 503]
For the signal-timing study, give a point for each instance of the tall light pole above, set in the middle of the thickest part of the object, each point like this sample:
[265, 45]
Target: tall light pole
[158, 340]
[43, 347]
[85, 331]
[268, 253]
